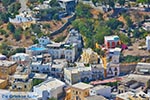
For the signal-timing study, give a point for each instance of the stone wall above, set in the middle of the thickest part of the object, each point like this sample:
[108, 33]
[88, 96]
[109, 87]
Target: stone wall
[65, 25]
[127, 68]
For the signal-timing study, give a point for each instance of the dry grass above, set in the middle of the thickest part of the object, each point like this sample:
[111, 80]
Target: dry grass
[136, 51]
[27, 42]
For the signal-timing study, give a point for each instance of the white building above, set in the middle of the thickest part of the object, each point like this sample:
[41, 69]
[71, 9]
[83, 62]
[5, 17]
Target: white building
[97, 71]
[22, 18]
[140, 95]
[42, 6]
[75, 37]
[68, 50]
[113, 70]
[40, 67]
[143, 68]
[21, 58]
[41, 63]
[83, 73]
[58, 67]
[39, 76]
[114, 55]
[60, 50]
[101, 90]
[52, 87]
[148, 42]
[74, 75]
[44, 40]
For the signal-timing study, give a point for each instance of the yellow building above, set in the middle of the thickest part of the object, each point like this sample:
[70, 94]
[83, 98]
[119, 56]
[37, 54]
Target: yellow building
[89, 56]
[7, 68]
[3, 83]
[79, 91]
[20, 81]
[68, 93]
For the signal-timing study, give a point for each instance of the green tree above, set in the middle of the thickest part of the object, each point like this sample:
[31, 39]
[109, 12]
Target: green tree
[100, 17]
[4, 49]
[136, 33]
[111, 3]
[56, 16]
[17, 34]
[46, 26]
[36, 82]
[36, 28]
[5, 52]
[100, 33]
[35, 41]
[4, 46]
[125, 39]
[83, 11]
[114, 24]
[121, 2]
[99, 52]
[11, 27]
[48, 14]
[41, 1]
[14, 7]
[4, 17]
[130, 59]
[129, 21]
[94, 2]
[144, 2]
[2, 32]
[32, 1]
[89, 43]
[54, 3]
[7, 2]
[20, 50]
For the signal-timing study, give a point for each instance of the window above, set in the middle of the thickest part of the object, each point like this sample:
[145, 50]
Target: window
[14, 86]
[53, 69]
[86, 93]
[76, 92]
[25, 86]
[19, 88]
[78, 98]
